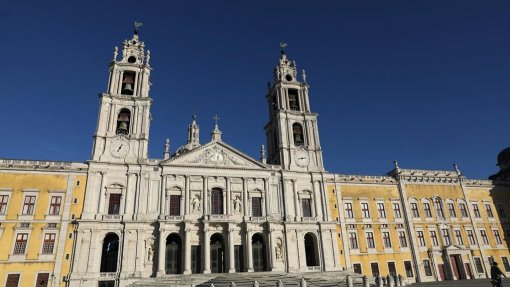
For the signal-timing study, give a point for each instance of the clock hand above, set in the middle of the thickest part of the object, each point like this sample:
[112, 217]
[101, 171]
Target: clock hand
[120, 147]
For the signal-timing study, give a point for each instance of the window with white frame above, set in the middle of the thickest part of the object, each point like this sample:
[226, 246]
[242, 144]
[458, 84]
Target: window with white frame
[396, 210]
[427, 267]
[307, 207]
[48, 243]
[370, 240]
[28, 205]
[446, 237]
[20, 245]
[402, 238]
[476, 211]
[4, 199]
[114, 204]
[426, 208]
[471, 236]
[364, 210]
[386, 239]
[414, 209]
[438, 205]
[55, 203]
[458, 237]
[497, 236]
[488, 209]
[478, 264]
[506, 264]
[421, 238]
[353, 240]
[381, 211]
[433, 238]
[484, 236]
[463, 210]
[348, 210]
[451, 209]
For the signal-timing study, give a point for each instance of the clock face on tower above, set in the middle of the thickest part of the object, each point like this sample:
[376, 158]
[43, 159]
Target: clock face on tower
[301, 157]
[119, 147]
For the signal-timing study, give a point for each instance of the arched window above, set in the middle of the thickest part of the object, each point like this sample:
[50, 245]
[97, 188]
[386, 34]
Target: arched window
[293, 99]
[216, 201]
[128, 83]
[297, 131]
[311, 252]
[123, 122]
[110, 253]
[259, 252]
[173, 254]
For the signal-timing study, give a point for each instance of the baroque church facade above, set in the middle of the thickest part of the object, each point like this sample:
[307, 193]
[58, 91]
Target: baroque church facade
[209, 208]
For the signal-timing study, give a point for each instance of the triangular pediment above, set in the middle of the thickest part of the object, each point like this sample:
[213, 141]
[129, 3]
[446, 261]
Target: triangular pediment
[215, 154]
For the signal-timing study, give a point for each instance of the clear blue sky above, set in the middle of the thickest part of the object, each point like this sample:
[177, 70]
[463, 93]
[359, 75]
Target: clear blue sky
[424, 82]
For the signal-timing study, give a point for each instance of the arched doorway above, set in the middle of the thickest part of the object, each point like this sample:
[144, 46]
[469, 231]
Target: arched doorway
[110, 253]
[312, 258]
[217, 254]
[173, 254]
[259, 252]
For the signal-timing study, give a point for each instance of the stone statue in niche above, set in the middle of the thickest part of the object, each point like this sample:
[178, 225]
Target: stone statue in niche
[278, 249]
[237, 204]
[195, 203]
[149, 245]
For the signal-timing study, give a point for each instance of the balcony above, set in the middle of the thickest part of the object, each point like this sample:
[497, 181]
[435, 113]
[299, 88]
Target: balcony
[314, 268]
[108, 275]
[258, 218]
[309, 219]
[111, 217]
[174, 218]
[218, 217]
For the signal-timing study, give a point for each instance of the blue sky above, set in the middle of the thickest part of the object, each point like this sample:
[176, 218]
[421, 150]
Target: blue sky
[424, 82]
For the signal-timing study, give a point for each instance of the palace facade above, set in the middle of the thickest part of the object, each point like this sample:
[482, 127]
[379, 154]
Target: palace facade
[210, 208]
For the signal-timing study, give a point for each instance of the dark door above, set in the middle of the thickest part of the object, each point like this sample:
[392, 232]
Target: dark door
[455, 266]
[468, 270]
[259, 256]
[239, 258]
[12, 280]
[196, 260]
[217, 257]
[440, 267]
[391, 268]
[173, 258]
[42, 279]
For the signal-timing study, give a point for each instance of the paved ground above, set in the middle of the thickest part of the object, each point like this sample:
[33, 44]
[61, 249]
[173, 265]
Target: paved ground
[473, 283]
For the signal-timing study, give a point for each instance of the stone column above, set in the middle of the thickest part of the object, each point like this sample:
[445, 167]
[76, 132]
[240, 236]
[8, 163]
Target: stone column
[161, 253]
[102, 196]
[186, 196]
[162, 198]
[271, 246]
[231, 264]
[245, 197]
[249, 251]
[207, 251]
[228, 203]
[187, 250]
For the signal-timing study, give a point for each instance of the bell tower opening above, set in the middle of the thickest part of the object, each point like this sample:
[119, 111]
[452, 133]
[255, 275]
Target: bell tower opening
[128, 81]
[123, 122]
[293, 99]
[297, 134]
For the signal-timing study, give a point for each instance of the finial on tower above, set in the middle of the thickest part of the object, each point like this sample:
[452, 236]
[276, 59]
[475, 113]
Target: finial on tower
[137, 26]
[148, 57]
[262, 154]
[115, 53]
[167, 149]
[303, 75]
[194, 116]
[216, 133]
[283, 45]
[395, 163]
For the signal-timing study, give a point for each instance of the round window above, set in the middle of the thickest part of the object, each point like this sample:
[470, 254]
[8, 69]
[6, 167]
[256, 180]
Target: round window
[288, 77]
[132, 59]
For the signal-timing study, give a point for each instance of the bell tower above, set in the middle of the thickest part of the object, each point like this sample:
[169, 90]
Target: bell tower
[122, 132]
[292, 135]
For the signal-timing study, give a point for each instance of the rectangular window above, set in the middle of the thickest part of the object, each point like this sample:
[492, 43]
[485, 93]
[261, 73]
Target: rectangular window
[175, 205]
[491, 260]
[446, 237]
[438, 205]
[364, 210]
[353, 240]
[391, 268]
[471, 237]
[426, 266]
[463, 210]
[3, 204]
[42, 279]
[307, 207]
[409, 269]
[396, 210]
[380, 210]
[256, 206]
[488, 209]
[49, 243]
[451, 209]
[476, 211]
[357, 268]
[421, 238]
[426, 207]
[348, 210]
[370, 240]
[114, 204]
[501, 211]
[414, 209]
[216, 202]
[28, 205]
[485, 239]
[55, 205]
[375, 268]
[506, 264]
[386, 239]
[402, 238]
[497, 237]
[433, 238]
[458, 237]
[12, 280]
[478, 264]
[21, 243]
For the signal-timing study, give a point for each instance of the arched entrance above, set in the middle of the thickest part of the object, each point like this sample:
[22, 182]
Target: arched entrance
[217, 254]
[259, 252]
[110, 253]
[311, 252]
[173, 254]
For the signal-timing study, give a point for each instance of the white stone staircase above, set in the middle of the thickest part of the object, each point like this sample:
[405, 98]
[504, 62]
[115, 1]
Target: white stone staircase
[265, 279]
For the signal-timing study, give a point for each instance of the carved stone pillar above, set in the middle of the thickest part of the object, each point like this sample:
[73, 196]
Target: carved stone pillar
[187, 251]
[271, 245]
[249, 251]
[229, 201]
[161, 253]
[231, 253]
[207, 251]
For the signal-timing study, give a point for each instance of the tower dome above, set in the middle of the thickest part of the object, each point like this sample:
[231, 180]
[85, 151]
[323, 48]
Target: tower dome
[504, 165]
